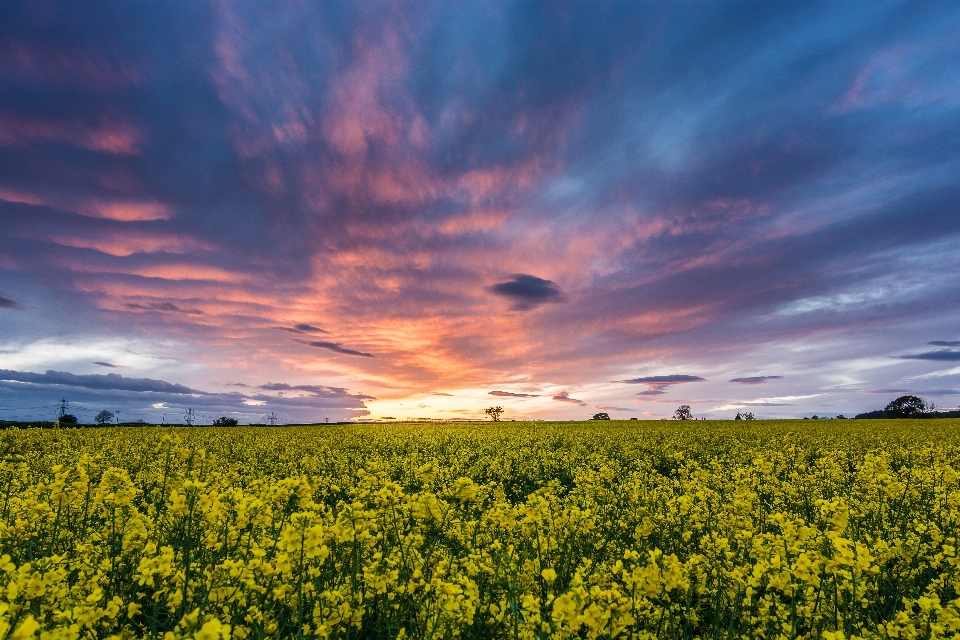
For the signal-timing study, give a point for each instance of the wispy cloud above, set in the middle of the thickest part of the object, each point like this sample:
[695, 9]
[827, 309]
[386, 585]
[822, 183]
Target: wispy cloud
[508, 394]
[303, 328]
[106, 364]
[336, 348]
[946, 355]
[659, 385]
[7, 303]
[163, 307]
[753, 380]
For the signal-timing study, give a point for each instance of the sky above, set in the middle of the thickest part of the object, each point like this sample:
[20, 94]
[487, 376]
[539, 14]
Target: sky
[418, 210]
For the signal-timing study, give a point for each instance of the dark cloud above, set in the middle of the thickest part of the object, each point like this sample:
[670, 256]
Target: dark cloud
[106, 364]
[914, 392]
[320, 391]
[528, 291]
[943, 355]
[611, 408]
[755, 379]
[7, 303]
[659, 385]
[507, 394]
[303, 328]
[307, 327]
[163, 307]
[945, 343]
[336, 347]
[564, 396]
[113, 381]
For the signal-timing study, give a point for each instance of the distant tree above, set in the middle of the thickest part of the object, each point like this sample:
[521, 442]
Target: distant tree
[907, 406]
[683, 413]
[224, 421]
[103, 417]
[68, 418]
[841, 417]
[494, 413]
[601, 416]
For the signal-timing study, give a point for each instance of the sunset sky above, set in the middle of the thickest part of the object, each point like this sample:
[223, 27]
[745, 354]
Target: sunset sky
[406, 210]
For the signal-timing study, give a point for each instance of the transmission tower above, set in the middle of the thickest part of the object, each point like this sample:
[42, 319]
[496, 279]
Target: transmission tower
[272, 419]
[189, 417]
[62, 408]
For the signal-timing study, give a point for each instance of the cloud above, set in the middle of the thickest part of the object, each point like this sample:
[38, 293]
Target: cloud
[163, 307]
[611, 408]
[941, 355]
[659, 385]
[112, 381]
[528, 291]
[926, 392]
[106, 364]
[7, 303]
[563, 396]
[336, 347]
[303, 328]
[755, 379]
[945, 343]
[317, 390]
[508, 394]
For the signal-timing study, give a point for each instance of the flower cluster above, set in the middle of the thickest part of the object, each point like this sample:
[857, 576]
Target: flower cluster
[640, 530]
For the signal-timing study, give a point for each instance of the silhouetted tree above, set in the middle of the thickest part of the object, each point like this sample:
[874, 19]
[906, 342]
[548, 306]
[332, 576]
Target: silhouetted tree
[494, 413]
[68, 418]
[224, 421]
[746, 415]
[103, 417]
[907, 406]
[683, 413]
[601, 416]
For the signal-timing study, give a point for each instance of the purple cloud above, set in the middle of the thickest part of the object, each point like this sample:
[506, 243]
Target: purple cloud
[336, 348]
[564, 396]
[753, 380]
[110, 381]
[659, 385]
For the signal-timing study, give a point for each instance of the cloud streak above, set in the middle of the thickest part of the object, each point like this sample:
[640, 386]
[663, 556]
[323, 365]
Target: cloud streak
[110, 381]
[754, 380]
[336, 348]
[508, 394]
[659, 385]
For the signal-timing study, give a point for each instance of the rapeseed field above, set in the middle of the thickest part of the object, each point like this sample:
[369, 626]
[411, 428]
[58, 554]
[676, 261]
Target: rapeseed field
[825, 529]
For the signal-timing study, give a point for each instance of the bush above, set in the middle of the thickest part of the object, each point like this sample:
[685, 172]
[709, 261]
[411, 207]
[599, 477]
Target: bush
[224, 421]
[601, 416]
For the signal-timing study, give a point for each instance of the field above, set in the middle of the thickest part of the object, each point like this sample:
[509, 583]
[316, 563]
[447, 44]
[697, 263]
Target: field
[793, 529]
